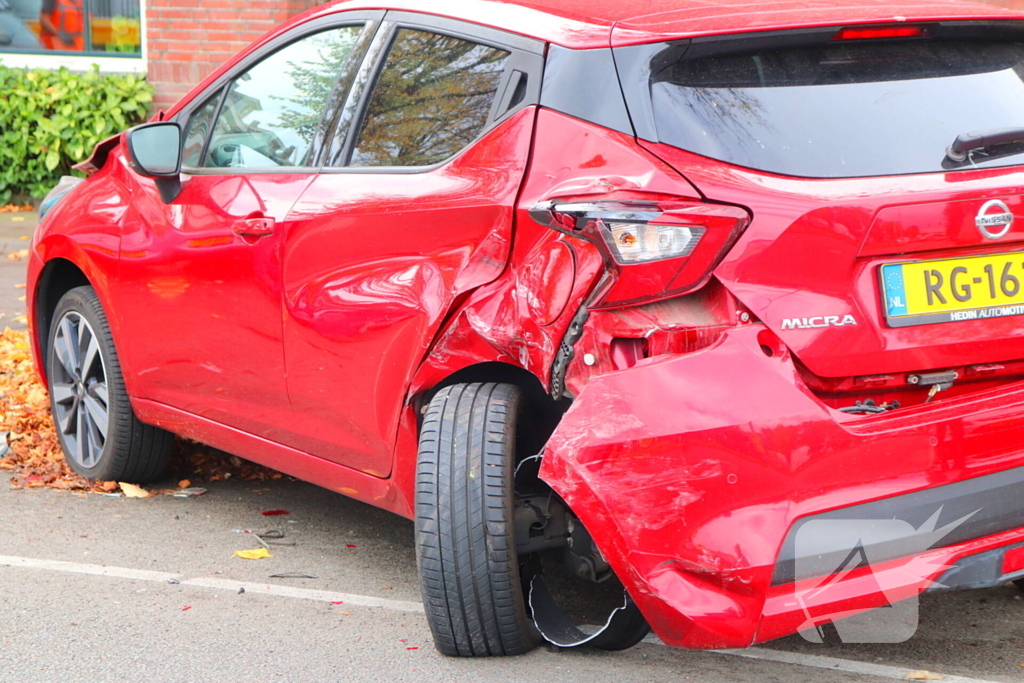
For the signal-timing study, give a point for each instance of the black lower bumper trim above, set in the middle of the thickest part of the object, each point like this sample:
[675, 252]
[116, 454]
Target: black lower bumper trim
[902, 526]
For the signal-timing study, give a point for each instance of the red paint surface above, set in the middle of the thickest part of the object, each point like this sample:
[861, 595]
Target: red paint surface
[1013, 561]
[701, 429]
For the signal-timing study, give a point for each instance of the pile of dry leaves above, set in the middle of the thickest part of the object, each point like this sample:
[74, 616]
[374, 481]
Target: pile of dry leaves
[35, 457]
[16, 208]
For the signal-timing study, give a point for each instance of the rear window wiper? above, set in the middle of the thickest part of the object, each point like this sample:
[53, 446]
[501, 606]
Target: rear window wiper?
[966, 143]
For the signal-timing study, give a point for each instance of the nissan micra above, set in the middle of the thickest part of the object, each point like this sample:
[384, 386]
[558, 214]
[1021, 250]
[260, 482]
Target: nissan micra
[640, 302]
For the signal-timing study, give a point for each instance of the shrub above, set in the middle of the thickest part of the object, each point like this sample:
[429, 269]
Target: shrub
[50, 120]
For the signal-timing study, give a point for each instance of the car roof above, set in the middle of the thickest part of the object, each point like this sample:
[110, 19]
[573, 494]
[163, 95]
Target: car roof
[599, 23]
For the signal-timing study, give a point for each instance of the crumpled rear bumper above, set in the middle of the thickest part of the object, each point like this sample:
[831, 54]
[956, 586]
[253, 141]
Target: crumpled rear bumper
[692, 471]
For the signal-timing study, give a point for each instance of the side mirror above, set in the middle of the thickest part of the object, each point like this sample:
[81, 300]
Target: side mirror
[154, 151]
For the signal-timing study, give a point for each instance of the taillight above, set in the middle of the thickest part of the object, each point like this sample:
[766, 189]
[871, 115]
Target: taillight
[658, 249]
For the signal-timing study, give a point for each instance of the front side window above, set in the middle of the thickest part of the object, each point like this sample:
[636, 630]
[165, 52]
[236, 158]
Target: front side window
[97, 27]
[199, 130]
[432, 99]
[271, 112]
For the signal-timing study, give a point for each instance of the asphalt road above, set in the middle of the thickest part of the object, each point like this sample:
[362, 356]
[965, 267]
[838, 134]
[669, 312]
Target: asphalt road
[98, 589]
[59, 624]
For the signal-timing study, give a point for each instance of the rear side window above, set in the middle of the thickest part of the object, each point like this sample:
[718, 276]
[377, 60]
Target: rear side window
[843, 109]
[432, 98]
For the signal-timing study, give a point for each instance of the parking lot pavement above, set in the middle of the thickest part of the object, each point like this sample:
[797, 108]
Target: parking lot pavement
[107, 612]
[15, 229]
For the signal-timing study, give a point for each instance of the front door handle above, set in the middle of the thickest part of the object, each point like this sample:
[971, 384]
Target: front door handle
[254, 227]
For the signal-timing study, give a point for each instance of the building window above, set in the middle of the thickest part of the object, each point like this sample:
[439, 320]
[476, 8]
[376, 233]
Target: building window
[109, 28]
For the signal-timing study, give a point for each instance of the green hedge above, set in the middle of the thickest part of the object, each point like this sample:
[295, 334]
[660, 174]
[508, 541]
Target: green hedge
[50, 120]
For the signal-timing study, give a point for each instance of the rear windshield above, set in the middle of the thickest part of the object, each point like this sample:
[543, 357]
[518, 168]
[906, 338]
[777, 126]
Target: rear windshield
[845, 109]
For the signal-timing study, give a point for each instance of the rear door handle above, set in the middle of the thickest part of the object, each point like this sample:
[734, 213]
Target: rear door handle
[254, 227]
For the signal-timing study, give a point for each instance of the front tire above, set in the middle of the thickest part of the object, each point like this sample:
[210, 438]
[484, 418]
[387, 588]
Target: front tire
[465, 541]
[97, 428]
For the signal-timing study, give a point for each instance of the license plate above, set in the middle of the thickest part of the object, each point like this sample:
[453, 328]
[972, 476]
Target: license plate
[949, 290]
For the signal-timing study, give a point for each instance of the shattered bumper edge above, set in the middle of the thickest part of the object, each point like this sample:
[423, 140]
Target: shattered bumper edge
[690, 472]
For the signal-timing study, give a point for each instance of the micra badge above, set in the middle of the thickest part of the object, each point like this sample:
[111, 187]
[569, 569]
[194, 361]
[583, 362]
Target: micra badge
[817, 322]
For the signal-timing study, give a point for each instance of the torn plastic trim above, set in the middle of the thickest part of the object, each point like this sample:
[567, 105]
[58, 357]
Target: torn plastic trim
[567, 351]
[556, 628]
[567, 347]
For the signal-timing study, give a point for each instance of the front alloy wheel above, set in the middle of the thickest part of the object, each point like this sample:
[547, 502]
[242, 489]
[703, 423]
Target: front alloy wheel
[96, 426]
[79, 390]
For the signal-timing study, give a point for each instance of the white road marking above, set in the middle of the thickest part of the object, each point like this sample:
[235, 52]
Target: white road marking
[307, 594]
[778, 656]
[833, 664]
[94, 569]
[213, 582]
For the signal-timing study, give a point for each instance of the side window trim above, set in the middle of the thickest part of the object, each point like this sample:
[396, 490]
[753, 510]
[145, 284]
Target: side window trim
[526, 56]
[342, 139]
[371, 21]
[213, 121]
[347, 80]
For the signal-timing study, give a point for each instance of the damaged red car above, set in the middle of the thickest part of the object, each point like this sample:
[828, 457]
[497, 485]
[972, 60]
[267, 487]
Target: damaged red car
[632, 307]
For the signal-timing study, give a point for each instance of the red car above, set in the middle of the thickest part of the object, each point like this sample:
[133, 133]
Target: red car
[639, 304]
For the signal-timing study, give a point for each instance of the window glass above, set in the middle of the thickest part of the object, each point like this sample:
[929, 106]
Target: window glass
[199, 130]
[845, 109]
[432, 99]
[272, 111]
[114, 26]
[88, 26]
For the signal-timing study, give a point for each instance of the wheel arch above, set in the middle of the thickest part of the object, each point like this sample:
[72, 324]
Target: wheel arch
[546, 412]
[57, 277]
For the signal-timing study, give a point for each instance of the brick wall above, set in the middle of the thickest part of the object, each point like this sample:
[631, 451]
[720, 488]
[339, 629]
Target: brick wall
[190, 38]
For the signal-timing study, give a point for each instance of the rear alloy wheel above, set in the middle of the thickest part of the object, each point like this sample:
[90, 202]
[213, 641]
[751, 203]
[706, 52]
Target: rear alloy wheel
[483, 584]
[98, 431]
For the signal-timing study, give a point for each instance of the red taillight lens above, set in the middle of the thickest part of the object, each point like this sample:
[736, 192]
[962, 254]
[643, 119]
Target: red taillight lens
[880, 33]
[658, 249]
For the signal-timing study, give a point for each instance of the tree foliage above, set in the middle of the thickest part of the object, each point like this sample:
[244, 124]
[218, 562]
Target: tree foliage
[431, 100]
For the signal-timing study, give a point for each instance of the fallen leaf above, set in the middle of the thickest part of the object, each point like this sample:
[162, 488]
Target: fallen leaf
[342, 602]
[186, 608]
[349, 545]
[17, 219]
[133, 491]
[923, 675]
[184, 484]
[20, 286]
[415, 647]
[343, 612]
[271, 513]
[254, 554]
[24, 238]
[35, 451]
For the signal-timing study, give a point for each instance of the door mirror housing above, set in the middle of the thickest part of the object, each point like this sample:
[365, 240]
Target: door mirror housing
[153, 151]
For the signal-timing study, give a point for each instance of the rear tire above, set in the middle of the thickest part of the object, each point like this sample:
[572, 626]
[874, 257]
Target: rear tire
[1019, 583]
[465, 541]
[97, 428]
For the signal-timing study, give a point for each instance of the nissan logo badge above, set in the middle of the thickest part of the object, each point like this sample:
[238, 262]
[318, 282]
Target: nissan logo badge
[994, 215]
